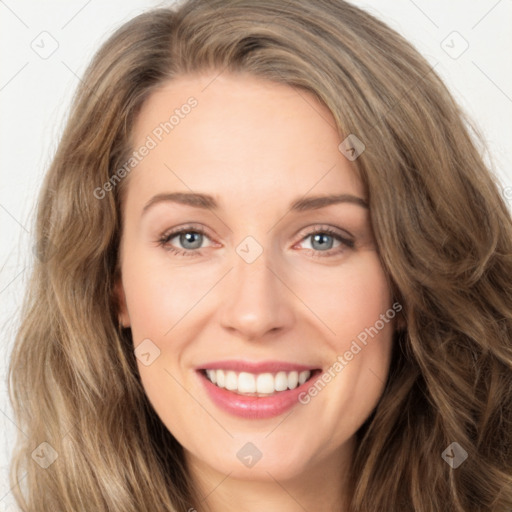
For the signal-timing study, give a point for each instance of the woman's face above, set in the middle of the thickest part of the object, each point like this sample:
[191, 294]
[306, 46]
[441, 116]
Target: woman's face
[270, 282]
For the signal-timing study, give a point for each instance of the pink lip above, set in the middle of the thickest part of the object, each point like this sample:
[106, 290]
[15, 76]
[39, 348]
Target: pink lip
[254, 407]
[255, 367]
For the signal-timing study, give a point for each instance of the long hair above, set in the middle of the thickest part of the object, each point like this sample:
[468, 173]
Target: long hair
[443, 232]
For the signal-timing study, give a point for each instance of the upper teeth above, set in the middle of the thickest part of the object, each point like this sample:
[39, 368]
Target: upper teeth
[265, 383]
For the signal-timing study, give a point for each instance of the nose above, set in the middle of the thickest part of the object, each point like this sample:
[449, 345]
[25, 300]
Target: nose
[257, 301]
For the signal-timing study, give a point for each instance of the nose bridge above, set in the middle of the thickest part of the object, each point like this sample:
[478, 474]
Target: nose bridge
[256, 300]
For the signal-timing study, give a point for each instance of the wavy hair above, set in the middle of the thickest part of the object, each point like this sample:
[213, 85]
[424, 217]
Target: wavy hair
[443, 231]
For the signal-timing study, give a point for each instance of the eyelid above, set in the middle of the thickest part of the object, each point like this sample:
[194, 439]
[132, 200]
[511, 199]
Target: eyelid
[325, 228]
[345, 243]
[173, 232]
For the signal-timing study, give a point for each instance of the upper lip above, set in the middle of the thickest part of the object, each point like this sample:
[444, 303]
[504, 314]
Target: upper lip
[256, 366]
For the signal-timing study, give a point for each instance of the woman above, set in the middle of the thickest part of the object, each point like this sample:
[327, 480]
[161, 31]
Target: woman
[249, 371]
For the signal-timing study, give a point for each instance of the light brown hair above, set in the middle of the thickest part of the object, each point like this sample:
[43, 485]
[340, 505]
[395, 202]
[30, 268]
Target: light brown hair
[442, 228]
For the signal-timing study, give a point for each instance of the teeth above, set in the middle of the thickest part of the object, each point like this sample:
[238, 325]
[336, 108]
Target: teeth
[260, 384]
[231, 381]
[265, 383]
[246, 383]
[281, 381]
[293, 380]
[303, 377]
[220, 377]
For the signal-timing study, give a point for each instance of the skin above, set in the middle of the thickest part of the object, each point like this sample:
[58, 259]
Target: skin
[255, 146]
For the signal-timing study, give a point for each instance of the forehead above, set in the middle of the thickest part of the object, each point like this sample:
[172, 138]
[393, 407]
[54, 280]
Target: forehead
[238, 135]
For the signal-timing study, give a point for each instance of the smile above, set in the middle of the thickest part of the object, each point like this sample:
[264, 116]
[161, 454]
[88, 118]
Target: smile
[262, 384]
[256, 390]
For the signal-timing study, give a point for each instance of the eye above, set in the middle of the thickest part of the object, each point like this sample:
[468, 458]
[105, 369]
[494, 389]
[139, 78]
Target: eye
[191, 241]
[322, 241]
[190, 238]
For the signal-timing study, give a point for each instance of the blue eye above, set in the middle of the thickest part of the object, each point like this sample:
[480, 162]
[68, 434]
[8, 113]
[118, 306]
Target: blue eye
[321, 238]
[322, 242]
[190, 237]
[191, 241]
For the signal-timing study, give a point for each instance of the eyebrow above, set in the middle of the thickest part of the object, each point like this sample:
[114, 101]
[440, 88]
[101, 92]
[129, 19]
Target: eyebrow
[206, 201]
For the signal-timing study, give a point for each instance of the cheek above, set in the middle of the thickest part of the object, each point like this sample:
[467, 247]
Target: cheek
[159, 295]
[357, 308]
[367, 330]
[349, 298]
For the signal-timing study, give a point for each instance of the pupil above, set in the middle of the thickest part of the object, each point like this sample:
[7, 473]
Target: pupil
[321, 238]
[189, 238]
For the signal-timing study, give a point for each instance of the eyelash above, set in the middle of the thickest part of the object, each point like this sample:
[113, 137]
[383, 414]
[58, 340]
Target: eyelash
[164, 239]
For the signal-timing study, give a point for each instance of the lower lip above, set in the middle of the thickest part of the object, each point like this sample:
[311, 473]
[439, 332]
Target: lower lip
[256, 407]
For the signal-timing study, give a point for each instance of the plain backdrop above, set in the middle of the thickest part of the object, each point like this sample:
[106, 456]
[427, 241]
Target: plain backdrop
[45, 47]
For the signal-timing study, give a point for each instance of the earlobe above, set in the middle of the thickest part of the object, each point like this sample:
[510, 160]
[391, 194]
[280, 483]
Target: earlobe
[120, 298]
[400, 322]
[401, 325]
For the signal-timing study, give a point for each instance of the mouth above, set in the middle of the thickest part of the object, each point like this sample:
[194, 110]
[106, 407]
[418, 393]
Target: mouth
[258, 384]
[256, 390]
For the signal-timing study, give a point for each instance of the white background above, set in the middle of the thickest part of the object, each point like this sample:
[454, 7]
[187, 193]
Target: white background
[35, 93]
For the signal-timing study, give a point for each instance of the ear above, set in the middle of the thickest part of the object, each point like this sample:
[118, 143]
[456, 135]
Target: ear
[400, 321]
[120, 298]
[401, 324]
